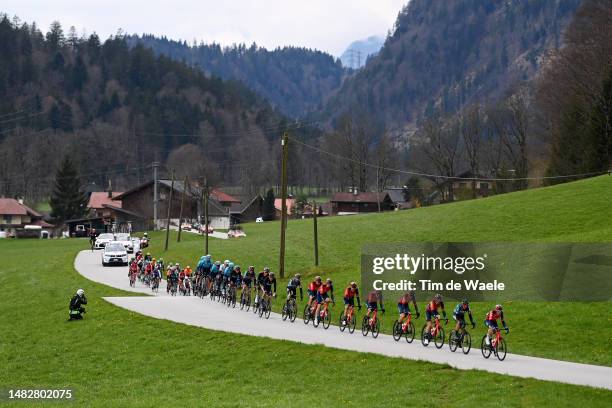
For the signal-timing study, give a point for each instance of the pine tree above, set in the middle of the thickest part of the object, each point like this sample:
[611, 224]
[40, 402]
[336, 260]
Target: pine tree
[268, 206]
[67, 200]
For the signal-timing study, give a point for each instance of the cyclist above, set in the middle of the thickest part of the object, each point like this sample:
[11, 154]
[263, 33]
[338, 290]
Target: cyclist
[262, 277]
[292, 286]
[148, 257]
[156, 276]
[491, 322]
[215, 270]
[459, 317]
[313, 287]
[403, 305]
[168, 278]
[235, 277]
[432, 311]
[349, 299]
[373, 299]
[227, 272]
[161, 264]
[323, 295]
[266, 286]
[133, 267]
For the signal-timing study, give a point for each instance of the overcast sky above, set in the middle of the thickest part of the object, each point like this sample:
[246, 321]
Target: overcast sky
[328, 25]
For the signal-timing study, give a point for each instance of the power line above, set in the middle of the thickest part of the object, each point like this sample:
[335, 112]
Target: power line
[427, 175]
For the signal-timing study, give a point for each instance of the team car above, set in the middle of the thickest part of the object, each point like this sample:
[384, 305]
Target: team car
[103, 239]
[114, 253]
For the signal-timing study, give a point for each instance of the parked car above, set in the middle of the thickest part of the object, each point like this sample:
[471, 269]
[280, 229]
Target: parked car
[103, 239]
[126, 240]
[203, 230]
[81, 231]
[114, 253]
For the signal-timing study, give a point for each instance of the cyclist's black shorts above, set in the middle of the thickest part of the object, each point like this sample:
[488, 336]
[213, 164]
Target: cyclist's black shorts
[292, 291]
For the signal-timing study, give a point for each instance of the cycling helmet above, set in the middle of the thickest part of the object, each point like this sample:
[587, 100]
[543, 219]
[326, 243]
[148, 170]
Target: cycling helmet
[251, 268]
[145, 234]
[217, 263]
[188, 267]
[80, 292]
[317, 278]
[465, 302]
[226, 261]
[298, 276]
[328, 280]
[153, 258]
[266, 269]
[148, 254]
[237, 267]
[499, 307]
[438, 296]
[353, 284]
[271, 274]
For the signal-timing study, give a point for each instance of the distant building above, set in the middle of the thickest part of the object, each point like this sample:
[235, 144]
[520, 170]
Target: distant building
[360, 202]
[19, 220]
[398, 198]
[462, 186]
[278, 205]
[99, 200]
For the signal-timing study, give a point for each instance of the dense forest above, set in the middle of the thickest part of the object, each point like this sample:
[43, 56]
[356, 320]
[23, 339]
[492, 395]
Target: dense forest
[443, 55]
[116, 109]
[294, 80]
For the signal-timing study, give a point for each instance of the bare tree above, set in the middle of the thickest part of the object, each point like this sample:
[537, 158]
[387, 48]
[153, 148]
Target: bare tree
[471, 126]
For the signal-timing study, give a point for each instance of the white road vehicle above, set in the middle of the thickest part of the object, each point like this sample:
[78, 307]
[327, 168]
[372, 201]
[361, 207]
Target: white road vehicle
[114, 253]
[103, 239]
[126, 240]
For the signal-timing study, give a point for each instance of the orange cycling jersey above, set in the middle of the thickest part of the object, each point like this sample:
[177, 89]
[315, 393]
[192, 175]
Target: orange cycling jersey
[187, 271]
[350, 292]
[494, 315]
[314, 286]
[433, 306]
[323, 289]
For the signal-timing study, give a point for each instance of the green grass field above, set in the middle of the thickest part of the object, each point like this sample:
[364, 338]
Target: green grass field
[573, 212]
[118, 358]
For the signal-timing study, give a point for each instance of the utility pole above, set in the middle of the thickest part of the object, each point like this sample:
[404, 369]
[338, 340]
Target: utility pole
[155, 196]
[178, 238]
[169, 208]
[315, 210]
[281, 267]
[205, 215]
[378, 187]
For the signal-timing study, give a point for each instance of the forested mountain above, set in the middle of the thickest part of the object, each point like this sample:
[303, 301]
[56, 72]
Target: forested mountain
[294, 80]
[115, 109]
[444, 54]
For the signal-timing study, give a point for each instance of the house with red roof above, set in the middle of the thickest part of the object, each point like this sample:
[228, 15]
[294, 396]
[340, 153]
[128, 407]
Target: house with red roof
[99, 202]
[17, 219]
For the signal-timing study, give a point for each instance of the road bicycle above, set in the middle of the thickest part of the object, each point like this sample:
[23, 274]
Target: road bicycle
[349, 321]
[245, 298]
[405, 329]
[264, 307]
[497, 346]
[371, 324]
[155, 285]
[309, 310]
[290, 310]
[132, 280]
[231, 295]
[461, 339]
[324, 316]
[437, 333]
[173, 288]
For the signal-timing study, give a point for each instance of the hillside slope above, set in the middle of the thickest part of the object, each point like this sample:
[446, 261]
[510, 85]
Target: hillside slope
[444, 54]
[294, 80]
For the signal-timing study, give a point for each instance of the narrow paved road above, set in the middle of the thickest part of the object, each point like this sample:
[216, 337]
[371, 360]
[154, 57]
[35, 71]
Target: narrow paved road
[215, 316]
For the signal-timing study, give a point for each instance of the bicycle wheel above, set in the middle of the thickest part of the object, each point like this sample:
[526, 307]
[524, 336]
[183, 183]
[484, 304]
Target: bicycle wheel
[327, 320]
[484, 348]
[242, 301]
[306, 314]
[501, 349]
[397, 330]
[268, 309]
[409, 335]
[292, 311]
[341, 323]
[440, 338]
[376, 328]
[234, 300]
[262, 307]
[285, 313]
[466, 343]
[352, 324]
[248, 301]
[452, 341]
[365, 325]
